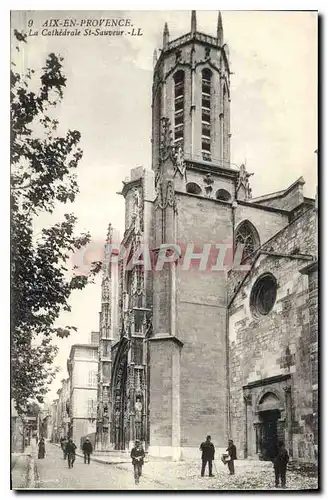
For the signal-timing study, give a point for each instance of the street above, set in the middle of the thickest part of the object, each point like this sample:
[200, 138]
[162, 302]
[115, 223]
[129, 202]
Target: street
[53, 473]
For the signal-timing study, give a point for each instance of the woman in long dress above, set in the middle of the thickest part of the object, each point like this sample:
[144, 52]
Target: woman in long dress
[42, 448]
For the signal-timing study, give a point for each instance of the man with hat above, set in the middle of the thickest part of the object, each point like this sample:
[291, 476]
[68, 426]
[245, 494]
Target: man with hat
[87, 450]
[70, 452]
[232, 450]
[137, 455]
[208, 451]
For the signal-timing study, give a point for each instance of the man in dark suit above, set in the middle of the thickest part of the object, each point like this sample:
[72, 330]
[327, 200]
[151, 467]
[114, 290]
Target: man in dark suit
[87, 450]
[137, 455]
[232, 450]
[70, 452]
[280, 465]
[208, 451]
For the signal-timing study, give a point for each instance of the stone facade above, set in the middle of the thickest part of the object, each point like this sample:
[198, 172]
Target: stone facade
[62, 409]
[83, 374]
[273, 353]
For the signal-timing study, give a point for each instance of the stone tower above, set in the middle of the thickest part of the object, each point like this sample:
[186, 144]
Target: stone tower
[194, 208]
[169, 383]
[191, 88]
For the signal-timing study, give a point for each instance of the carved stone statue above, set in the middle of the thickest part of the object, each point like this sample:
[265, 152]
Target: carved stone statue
[243, 181]
[166, 139]
[208, 180]
[138, 410]
[136, 199]
[136, 210]
[179, 162]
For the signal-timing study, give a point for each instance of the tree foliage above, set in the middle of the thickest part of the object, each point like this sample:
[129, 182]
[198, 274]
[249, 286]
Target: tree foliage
[43, 166]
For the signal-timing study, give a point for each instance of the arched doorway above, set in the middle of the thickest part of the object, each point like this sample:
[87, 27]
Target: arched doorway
[269, 412]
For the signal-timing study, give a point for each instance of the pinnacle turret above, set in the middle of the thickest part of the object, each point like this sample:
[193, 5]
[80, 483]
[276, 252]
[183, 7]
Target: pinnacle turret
[220, 30]
[193, 22]
[166, 35]
[155, 57]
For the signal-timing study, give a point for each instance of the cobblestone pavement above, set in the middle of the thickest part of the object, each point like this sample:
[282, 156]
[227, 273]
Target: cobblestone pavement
[53, 473]
[249, 475]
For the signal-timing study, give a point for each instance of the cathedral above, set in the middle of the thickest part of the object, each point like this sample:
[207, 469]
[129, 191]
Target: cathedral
[185, 352]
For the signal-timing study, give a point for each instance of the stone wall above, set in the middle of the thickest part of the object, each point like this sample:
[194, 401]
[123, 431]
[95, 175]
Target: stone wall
[279, 343]
[266, 221]
[164, 409]
[201, 323]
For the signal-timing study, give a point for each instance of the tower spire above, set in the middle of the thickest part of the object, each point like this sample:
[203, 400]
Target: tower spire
[155, 57]
[220, 30]
[193, 22]
[166, 35]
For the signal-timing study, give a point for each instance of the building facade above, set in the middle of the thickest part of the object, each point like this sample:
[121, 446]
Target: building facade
[62, 419]
[189, 352]
[45, 429]
[82, 367]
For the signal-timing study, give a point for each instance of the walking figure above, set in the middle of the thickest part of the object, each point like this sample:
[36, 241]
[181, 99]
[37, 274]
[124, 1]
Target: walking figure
[280, 464]
[137, 455]
[208, 452]
[232, 451]
[87, 450]
[70, 452]
[42, 448]
[63, 443]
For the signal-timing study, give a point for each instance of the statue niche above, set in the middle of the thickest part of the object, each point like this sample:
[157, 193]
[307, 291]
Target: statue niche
[138, 407]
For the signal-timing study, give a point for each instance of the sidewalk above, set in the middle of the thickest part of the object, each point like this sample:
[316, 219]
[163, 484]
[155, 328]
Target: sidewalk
[22, 469]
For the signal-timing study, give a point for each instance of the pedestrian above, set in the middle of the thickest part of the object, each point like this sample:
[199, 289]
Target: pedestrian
[232, 451]
[70, 452]
[137, 455]
[42, 448]
[208, 452]
[63, 443]
[87, 450]
[280, 464]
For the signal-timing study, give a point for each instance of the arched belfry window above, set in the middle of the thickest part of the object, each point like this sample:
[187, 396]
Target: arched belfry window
[206, 114]
[193, 188]
[247, 235]
[223, 194]
[179, 90]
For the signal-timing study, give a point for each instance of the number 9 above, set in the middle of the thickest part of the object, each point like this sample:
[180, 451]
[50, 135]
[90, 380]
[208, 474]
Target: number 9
[30, 23]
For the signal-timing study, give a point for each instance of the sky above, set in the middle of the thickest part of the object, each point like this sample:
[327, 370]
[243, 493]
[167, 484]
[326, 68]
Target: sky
[108, 99]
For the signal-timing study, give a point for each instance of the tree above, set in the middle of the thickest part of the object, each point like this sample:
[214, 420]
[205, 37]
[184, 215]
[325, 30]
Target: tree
[43, 168]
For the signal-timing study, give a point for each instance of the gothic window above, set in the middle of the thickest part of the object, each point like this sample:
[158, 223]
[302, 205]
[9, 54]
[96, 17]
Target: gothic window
[223, 194]
[263, 294]
[92, 404]
[247, 236]
[193, 188]
[206, 114]
[179, 79]
[92, 379]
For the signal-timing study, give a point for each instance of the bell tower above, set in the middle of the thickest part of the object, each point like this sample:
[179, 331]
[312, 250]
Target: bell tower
[191, 88]
[195, 191]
